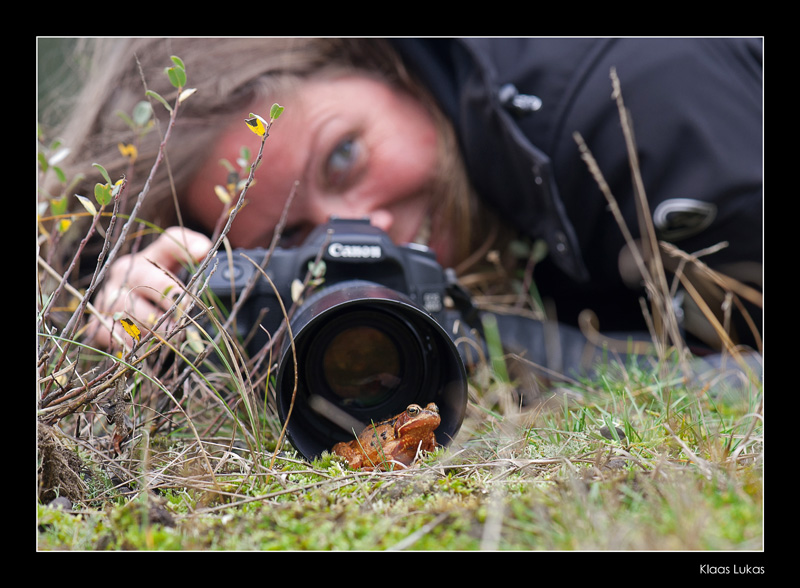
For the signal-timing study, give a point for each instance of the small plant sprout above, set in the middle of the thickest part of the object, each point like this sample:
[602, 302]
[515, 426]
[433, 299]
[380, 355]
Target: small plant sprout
[58, 208]
[235, 181]
[104, 193]
[176, 73]
[177, 77]
[141, 122]
[261, 127]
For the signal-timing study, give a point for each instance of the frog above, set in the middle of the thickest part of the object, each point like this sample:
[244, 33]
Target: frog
[394, 442]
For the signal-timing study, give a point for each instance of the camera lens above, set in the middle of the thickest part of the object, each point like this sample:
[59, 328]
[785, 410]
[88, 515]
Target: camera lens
[364, 352]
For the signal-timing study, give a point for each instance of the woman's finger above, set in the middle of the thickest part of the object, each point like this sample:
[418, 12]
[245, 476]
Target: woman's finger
[140, 285]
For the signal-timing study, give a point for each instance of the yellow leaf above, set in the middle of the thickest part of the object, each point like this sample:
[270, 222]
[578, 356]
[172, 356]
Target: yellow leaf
[194, 340]
[131, 329]
[128, 151]
[64, 224]
[297, 290]
[257, 124]
[223, 194]
[87, 204]
[186, 93]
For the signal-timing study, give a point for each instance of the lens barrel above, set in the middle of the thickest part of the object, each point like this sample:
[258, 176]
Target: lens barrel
[364, 352]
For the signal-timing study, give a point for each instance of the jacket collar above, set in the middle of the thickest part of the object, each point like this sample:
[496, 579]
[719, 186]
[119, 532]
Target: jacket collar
[509, 172]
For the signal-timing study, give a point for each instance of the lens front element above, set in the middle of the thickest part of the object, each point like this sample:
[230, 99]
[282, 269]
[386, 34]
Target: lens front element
[361, 363]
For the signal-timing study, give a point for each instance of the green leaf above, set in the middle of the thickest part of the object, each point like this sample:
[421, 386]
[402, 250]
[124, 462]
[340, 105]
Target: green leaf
[62, 177]
[142, 113]
[157, 96]
[58, 206]
[227, 165]
[539, 250]
[103, 172]
[102, 193]
[317, 270]
[177, 76]
[178, 61]
[275, 111]
[126, 119]
[42, 161]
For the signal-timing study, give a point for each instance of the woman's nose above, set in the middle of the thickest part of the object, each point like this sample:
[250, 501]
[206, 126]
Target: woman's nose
[383, 219]
[319, 212]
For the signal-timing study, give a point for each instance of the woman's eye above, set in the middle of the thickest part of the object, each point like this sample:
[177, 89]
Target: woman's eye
[341, 162]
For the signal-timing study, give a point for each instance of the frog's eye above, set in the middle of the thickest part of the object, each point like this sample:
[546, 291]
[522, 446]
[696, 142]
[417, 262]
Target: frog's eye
[413, 410]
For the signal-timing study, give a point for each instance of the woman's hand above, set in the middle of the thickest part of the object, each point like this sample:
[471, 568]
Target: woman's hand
[138, 285]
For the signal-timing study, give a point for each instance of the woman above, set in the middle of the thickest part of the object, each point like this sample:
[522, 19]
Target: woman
[464, 145]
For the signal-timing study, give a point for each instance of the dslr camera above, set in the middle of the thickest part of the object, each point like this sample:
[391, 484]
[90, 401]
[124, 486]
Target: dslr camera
[375, 336]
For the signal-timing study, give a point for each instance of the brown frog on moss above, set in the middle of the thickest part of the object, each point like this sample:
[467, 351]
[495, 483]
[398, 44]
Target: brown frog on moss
[394, 441]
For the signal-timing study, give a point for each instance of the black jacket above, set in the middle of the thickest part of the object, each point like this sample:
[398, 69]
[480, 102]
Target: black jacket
[696, 106]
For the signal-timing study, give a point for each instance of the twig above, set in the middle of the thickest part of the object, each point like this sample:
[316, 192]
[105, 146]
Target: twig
[651, 266]
[647, 229]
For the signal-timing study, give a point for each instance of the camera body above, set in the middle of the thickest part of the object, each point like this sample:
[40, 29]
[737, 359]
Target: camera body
[354, 250]
[374, 337]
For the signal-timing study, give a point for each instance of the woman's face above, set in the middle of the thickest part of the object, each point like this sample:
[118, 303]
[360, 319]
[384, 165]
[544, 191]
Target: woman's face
[357, 148]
